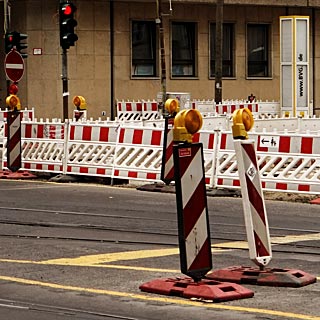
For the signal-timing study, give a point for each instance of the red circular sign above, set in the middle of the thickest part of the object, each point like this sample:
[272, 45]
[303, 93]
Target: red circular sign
[14, 65]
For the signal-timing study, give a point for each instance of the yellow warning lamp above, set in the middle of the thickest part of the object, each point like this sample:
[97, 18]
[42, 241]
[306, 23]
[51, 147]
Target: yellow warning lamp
[187, 122]
[80, 103]
[13, 102]
[172, 106]
[242, 122]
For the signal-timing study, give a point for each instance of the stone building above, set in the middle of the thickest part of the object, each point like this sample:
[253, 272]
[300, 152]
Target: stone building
[117, 54]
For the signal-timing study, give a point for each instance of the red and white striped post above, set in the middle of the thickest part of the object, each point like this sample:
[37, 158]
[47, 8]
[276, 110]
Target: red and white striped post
[14, 141]
[167, 168]
[193, 221]
[256, 220]
[255, 214]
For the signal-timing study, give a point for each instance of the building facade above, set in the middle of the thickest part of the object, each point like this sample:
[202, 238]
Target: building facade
[117, 55]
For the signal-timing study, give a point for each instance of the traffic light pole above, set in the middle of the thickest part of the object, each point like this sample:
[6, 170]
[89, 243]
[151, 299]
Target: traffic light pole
[65, 91]
[218, 51]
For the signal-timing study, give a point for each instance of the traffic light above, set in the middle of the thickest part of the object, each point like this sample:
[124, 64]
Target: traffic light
[9, 41]
[14, 40]
[242, 122]
[67, 24]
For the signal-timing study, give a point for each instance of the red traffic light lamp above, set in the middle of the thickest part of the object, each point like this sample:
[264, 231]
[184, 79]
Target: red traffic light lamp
[13, 40]
[67, 24]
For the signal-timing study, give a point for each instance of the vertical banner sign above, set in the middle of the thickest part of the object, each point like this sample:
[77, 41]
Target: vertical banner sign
[193, 221]
[253, 203]
[294, 65]
[14, 141]
[167, 169]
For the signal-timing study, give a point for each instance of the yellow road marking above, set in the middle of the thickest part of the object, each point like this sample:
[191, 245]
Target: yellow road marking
[111, 257]
[91, 260]
[143, 254]
[107, 266]
[286, 315]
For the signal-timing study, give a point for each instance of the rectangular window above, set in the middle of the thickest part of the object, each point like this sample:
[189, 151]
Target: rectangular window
[183, 48]
[227, 50]
[144, 57]
[258, 42]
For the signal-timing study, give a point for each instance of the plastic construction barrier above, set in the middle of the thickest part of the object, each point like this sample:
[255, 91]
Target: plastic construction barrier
[137, 110]
[42, 146]
[286, 162]
[259, 108]
[26, 114]
[138, 154]
[91, 148]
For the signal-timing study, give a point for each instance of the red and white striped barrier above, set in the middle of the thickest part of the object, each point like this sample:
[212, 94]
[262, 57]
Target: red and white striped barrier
[129, 110]
[286, 162]
[137, 110]
[25, 114]
[193, 224]
[91, 148]
[138, 154]
[209, 141]
[255, 214]
[42, 146]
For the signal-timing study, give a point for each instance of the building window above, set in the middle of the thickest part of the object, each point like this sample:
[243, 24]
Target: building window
[183, 49]
[144, 61]
[258, 42]
[227, 50]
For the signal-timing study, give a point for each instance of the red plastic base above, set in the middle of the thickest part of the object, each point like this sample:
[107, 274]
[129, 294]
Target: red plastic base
[205, 289]
[7, 174]
[267, 277]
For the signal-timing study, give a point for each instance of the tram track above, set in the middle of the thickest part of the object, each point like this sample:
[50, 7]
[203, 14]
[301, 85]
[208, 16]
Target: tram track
[126, 235]
[59, 311]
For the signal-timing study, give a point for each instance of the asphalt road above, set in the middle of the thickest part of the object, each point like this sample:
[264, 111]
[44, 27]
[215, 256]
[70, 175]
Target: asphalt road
[81, 251]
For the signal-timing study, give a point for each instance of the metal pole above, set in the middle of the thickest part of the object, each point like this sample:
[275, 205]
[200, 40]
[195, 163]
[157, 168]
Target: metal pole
[163, 76]
[7, 26]
[218, 51]
[65, 91]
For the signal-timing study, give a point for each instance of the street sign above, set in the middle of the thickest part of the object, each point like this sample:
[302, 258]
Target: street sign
[14, 66]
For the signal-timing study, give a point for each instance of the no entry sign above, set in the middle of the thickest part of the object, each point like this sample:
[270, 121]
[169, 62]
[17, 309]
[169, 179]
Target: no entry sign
[14, 66]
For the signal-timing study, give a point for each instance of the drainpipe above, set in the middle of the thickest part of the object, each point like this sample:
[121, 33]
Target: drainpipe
[112, 60]
[313, 26]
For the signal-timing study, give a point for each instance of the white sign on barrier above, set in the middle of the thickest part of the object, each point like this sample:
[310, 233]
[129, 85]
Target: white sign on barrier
[269, 141]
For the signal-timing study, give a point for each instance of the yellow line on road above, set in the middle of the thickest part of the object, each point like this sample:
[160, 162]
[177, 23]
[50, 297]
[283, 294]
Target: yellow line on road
[112, 257]
[286, 315]
[144, 254]
[91, 260]
[107, 266]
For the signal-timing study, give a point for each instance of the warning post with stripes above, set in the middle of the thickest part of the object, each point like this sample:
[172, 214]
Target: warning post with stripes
[193, 221]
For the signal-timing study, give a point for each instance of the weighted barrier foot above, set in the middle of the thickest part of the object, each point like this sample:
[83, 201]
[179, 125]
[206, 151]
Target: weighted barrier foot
[275, 277]
[212, 290]
[8, 174]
